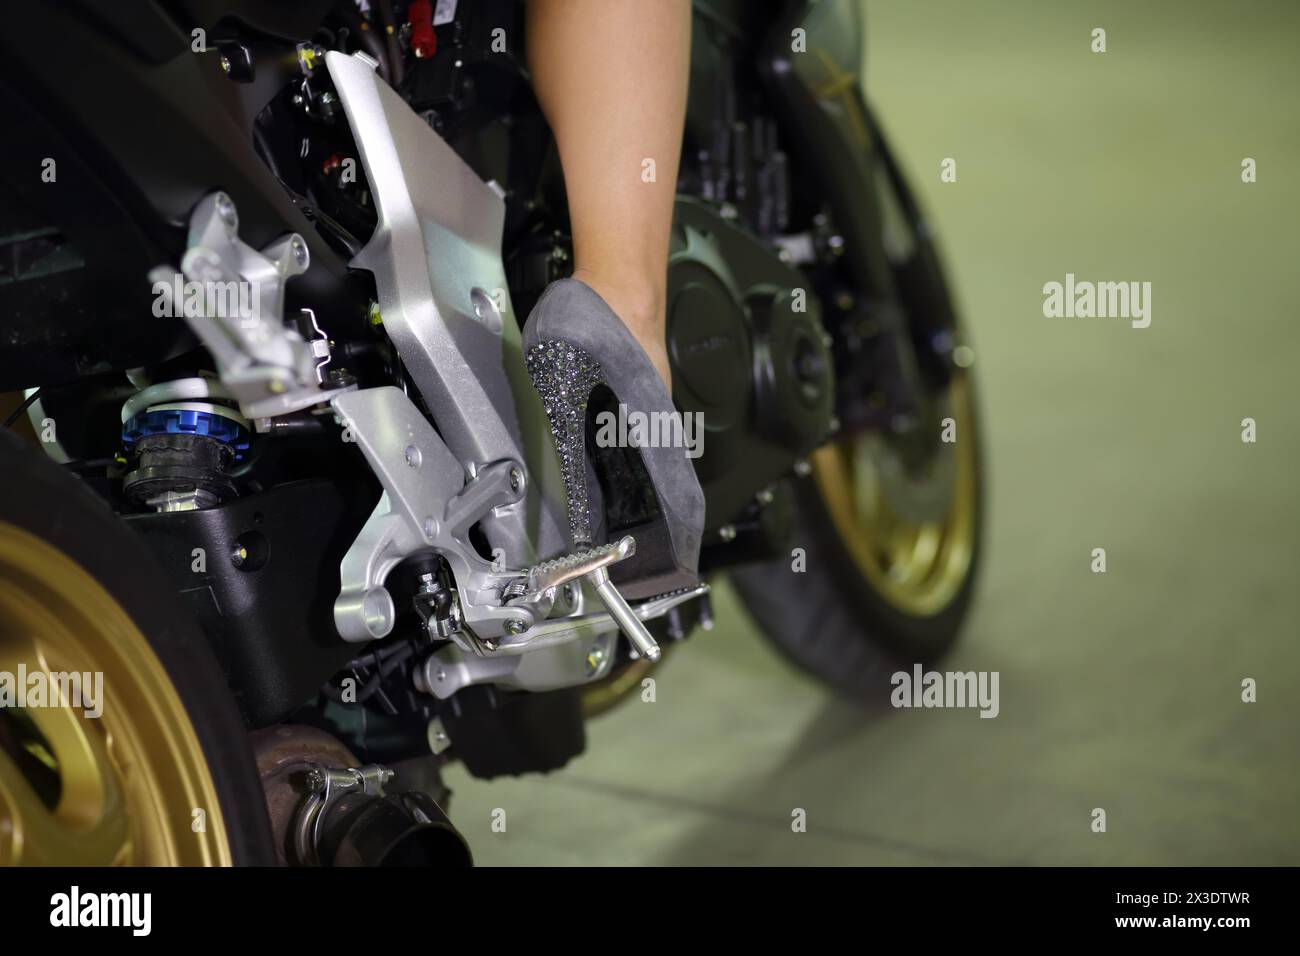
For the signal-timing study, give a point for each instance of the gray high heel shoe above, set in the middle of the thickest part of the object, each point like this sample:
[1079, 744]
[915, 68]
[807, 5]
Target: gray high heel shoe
[584, 361]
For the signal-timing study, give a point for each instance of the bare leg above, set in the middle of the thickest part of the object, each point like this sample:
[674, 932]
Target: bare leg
[611, 78]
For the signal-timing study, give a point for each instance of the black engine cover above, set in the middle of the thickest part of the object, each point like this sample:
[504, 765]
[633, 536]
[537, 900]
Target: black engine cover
[749, 354]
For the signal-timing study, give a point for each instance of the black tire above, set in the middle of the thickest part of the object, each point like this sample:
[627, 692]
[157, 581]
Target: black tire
[831, 623]
[39, 497]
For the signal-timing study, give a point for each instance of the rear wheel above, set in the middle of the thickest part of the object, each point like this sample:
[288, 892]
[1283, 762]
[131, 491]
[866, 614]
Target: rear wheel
[163, 774]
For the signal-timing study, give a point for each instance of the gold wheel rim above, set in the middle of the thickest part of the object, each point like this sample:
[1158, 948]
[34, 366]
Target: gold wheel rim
[918, 567]
[602, 696]
[119, 789]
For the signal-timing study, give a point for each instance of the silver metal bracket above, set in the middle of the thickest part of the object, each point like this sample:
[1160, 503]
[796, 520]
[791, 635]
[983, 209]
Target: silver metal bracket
[269, 369]
[427, 506]
[560, 652]
[445, 303]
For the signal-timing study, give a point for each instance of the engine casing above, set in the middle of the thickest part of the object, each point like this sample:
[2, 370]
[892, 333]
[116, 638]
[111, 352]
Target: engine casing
[748, 352]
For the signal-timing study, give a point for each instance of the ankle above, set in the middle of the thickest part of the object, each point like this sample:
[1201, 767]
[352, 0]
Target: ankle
[639, 302]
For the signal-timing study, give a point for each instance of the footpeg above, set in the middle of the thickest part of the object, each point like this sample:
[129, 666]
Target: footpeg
[594, 564]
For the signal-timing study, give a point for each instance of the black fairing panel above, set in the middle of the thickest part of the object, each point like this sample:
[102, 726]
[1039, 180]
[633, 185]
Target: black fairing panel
[270, 620]
[139, 127]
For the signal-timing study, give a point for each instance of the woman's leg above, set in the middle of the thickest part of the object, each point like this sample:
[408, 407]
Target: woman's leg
[611, 78]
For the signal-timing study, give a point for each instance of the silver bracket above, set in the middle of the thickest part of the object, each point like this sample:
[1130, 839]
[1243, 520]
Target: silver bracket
[445, 303]
[561, 652]
[269, 369]
[427, 506]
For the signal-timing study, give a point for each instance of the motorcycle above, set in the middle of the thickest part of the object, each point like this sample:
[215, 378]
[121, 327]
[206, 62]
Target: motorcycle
[273, 466]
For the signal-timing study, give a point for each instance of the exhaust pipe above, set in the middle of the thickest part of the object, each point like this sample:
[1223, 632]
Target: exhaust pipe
[405, 829]
[323, 815]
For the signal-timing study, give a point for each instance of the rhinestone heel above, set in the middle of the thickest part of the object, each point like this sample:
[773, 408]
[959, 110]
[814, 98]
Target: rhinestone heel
[565, 376]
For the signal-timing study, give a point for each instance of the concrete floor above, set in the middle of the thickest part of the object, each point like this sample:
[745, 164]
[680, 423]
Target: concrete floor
[1121, 690]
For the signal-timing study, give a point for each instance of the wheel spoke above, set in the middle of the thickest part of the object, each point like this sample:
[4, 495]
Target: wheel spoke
[118, 787]
[917, 563]
[34, 835]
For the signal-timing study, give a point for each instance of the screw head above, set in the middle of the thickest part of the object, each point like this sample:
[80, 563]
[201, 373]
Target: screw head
[226, 210]
[299, 250]
[225, 63]
[516, 479]
[515, 626]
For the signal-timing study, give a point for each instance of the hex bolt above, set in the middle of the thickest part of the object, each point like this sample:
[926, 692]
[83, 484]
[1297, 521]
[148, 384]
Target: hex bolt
[226, 210]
